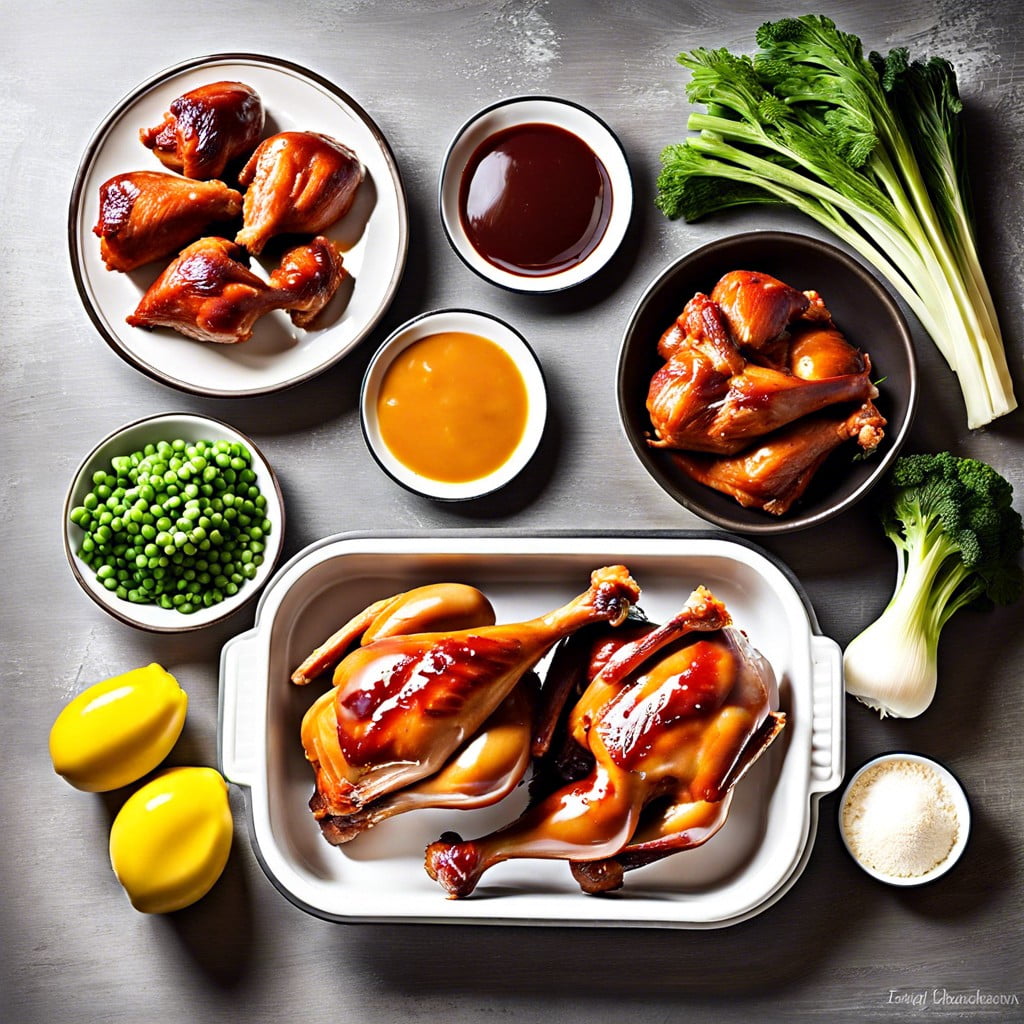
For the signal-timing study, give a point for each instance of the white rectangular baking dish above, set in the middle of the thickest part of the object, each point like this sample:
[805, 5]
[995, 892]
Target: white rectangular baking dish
[748, 865]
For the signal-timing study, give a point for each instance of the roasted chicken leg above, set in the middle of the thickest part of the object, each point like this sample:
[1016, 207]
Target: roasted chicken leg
[150, 215]
[700, 401]
[207, 128]
[402, 705]
[775, 472]
[773, 475]
[758, 387]
[208, 293]
[296, 182]
[665, 726]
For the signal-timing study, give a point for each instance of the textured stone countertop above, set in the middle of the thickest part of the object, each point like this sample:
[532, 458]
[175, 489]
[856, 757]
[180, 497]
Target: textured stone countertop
[837, 947]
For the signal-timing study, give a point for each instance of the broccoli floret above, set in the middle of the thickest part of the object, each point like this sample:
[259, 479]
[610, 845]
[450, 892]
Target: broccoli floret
[958, 512]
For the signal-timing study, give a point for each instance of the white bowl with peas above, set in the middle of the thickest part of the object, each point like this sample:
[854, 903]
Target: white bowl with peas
[173, 522]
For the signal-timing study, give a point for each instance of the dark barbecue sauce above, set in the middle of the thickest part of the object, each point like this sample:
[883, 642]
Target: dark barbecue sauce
[535, 200]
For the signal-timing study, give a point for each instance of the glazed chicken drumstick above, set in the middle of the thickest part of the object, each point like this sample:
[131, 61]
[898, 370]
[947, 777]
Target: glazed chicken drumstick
[209, 293]
[667, 724]
[149, 215]
[480, 772]
[403, 704]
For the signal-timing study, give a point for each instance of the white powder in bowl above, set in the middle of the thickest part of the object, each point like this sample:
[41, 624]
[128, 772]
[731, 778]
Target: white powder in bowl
[900, 820]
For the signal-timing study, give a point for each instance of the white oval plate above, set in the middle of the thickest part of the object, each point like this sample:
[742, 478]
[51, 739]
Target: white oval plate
[374, 234]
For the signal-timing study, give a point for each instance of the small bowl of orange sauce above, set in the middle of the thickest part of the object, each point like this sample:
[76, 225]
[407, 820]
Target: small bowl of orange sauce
[536, 194]
[453, 404]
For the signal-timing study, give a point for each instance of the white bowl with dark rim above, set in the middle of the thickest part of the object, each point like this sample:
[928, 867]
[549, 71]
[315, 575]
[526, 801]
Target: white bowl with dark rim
[133, 437]
[471, 322]
[543, 110]
[957, 796]
[862, 309]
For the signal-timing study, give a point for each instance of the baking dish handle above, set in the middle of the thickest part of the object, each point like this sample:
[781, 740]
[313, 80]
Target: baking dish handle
[828, 733]
[242, 712]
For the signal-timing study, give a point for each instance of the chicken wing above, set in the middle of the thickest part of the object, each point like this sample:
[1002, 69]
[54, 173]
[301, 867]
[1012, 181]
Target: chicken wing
[149, 215]
[297, 182]
[207, 128]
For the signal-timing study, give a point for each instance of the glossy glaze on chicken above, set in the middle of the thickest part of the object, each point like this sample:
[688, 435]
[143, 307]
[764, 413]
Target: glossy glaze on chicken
[640, 764]
[298, 184]
[758, 387]
[151, 215]
[432, 702]
[637, 735]
[206, 129]
[210, 294]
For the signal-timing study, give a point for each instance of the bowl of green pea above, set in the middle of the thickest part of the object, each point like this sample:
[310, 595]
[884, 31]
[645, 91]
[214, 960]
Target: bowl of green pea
[173, 522]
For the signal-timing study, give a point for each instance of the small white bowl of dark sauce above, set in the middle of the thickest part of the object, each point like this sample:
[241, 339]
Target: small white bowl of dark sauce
[536, 194]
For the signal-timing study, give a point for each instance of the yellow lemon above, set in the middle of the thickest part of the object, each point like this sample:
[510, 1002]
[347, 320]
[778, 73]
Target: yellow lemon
[116, 731]
[170, 841]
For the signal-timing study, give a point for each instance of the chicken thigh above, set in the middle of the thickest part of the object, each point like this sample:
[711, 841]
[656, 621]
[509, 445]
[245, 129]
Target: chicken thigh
[297, 182]
[207, 128]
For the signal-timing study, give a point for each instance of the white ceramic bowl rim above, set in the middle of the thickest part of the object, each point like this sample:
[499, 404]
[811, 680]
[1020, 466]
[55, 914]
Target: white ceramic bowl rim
[525, 110]
[151, 617]
[956, 794]
[474, 322]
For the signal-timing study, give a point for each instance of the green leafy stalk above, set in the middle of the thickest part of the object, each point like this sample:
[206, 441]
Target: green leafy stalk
[872, 149]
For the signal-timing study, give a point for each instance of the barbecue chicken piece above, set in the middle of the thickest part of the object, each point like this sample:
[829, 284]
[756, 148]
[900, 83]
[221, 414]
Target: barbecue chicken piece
[207, 128]
[297, 182]
[707, 397]
[774, 472]
[660, 736]
[308, 277]
[150, 215]
[757, 308]
[208, 293]
[403, 704]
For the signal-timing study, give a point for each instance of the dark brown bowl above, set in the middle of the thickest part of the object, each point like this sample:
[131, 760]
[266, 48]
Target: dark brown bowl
[862, 308]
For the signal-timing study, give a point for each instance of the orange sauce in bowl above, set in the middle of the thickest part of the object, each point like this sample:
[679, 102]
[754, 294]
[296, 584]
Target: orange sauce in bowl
[452, 407]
